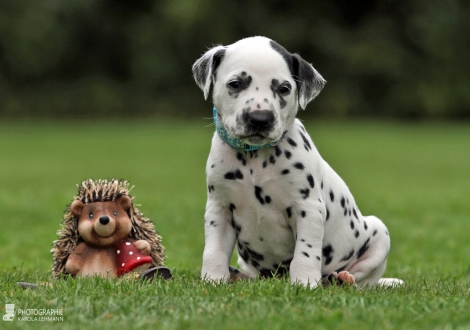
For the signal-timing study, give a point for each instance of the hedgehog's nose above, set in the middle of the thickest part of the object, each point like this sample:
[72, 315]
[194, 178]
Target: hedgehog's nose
[104, 220]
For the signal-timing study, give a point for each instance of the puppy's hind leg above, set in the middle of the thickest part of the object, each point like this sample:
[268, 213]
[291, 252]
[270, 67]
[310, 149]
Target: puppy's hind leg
[372, 256]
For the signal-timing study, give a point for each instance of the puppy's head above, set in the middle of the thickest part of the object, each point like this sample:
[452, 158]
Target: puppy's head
[258, 87]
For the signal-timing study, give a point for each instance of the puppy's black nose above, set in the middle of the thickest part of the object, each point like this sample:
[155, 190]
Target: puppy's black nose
[260, 119]
[104, 219]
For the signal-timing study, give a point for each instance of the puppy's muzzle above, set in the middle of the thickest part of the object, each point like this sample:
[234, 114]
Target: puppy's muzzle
[260, 120]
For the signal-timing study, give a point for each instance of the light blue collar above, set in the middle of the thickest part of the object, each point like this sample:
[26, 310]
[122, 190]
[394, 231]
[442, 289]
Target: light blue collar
[234, 142]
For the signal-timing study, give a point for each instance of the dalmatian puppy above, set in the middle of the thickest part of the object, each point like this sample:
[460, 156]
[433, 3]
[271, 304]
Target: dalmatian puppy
[270, 193]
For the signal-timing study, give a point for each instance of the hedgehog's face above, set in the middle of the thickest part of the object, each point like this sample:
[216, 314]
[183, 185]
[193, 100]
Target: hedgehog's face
[103, 223]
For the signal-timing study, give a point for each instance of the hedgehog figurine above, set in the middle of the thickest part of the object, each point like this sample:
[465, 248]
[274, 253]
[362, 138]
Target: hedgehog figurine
[104, 234]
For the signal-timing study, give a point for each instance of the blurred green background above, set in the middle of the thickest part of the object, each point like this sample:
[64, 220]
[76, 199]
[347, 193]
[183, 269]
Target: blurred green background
[122, 58]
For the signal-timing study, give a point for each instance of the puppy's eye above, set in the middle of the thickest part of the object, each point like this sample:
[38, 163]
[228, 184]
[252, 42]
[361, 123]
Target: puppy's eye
[235, 84]
[91, 215]
[285, 89]
[115, 213]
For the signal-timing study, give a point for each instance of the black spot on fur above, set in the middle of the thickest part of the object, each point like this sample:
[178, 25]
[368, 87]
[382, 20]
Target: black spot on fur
[305, 193]
[237, 174]
[265, 163]
[345, 212]
[318, 258]
[255, 255]
[343, 201]
[327, 252]
[299, 166]
[254, 263]
[332, 196]
[321, 185]
[305, 254]
[213, 165]
[278, 151]
[210, 188]
[288, 154]
[267, 199]
[259, 197]
[374, 233]
[351, 224]
[348, 256]
[244, 255]
[365, 226]
[272, 160]
[303, 214]
[363, 248]
[356, 234]
[327, 214]
[355, 214]
[240, 158]
[307, 145]
[289, 211]
[232, 207]
[284, 172]
[261, 238]
[291, 142]
[310, 180]
[236, 226]
[212, 223]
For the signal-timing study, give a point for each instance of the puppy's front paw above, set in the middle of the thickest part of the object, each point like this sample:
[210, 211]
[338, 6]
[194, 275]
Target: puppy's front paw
[340, 278]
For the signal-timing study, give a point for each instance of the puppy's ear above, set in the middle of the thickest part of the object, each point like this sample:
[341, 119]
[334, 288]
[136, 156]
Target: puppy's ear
[309, 81]
[204, 68]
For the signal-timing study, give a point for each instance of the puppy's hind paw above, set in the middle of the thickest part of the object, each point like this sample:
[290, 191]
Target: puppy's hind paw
[340, 278]
[346, 277]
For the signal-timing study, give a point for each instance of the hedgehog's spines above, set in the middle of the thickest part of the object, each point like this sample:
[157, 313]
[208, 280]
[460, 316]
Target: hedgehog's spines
[91, 191]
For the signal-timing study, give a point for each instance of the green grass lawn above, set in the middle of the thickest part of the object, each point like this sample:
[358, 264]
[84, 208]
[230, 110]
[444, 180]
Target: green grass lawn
[415, 177]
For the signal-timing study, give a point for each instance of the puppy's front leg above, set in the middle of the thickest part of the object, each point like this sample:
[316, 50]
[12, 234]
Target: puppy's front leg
[219, 244]
[305, 267]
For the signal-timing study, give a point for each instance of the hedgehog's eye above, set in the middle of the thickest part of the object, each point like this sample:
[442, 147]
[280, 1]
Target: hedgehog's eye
[91, 215]
[115, 213]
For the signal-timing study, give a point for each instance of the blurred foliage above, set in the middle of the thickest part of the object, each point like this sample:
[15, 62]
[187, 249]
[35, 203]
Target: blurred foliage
[75, 58]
